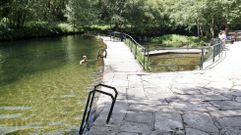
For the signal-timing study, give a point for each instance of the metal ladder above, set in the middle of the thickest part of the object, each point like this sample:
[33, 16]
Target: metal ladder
[88, 107]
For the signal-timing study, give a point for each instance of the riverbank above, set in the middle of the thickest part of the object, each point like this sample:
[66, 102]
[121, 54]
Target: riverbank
[37, 29]
[186, 103]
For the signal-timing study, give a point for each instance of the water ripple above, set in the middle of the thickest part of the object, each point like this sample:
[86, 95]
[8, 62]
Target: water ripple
[10, 116]
[15, 108]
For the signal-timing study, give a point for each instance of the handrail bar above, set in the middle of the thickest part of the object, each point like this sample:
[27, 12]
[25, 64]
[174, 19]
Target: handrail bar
[215, 45]
[89, 104]
[204, 47]
[98, 85]
[130, 38]
[112, 97]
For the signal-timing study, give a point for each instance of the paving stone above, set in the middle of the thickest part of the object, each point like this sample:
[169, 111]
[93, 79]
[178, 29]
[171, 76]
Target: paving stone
[157, 93]
[158, 132]
[237, 86]
[160, 82]
[108, 77]
[102, 130]
[134, 80]
[201, 98]
[192, 106]
[128, 133]
[236, 93]
[226, 113]
[230, 121]
[231, 131]
[139, 116]
[191, 131]
[228, 95]
[210, 91]
[168, 121]
[120, 76]
[226, 105]
[179, 132]
[147, 107]
[136, 93]
[119, 112]
[186, 91]
[200, 121]
[142, 94]
[123, 83]
[136, 127]
[221, 84]
[238, 99]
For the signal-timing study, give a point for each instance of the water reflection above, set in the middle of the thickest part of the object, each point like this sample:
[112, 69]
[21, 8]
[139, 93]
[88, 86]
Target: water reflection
[42, 85]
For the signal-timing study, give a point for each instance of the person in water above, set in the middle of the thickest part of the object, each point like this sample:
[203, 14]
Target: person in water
[84, 60]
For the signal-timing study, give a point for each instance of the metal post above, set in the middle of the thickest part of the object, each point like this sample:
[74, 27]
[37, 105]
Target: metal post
[111, 109]
[219, 55]
[135, 50]
[86, 109]
[147, 60]
[130, 44]
[202, 59]
[144, 62]
[91, 103]
[214, 53]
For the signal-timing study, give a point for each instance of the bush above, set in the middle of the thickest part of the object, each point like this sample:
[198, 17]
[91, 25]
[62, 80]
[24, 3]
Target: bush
[66, 28]
[5, 32]
[34, 29]
[174, 40]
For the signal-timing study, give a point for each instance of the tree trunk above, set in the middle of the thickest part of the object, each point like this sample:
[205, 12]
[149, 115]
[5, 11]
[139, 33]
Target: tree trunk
[212, 27]
[198, 29]
[49, 4]
[226, 27]
[201, 31]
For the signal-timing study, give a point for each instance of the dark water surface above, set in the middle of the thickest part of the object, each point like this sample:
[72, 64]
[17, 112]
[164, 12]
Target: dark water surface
[42, 85]
[174, 62]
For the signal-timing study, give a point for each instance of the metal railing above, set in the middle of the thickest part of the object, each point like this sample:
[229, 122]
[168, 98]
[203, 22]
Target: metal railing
[143, 54]
[85, 120]
[193, 57]
[212, 53]
[139, 52]
[234, 35]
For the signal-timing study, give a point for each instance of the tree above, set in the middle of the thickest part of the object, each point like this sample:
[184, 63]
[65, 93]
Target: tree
[82, 12]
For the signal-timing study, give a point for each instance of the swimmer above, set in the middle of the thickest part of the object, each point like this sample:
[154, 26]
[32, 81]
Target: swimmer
[84, 60]
[102, 53]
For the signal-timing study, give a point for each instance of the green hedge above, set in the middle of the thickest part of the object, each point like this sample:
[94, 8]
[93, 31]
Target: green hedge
[174, 40]
[35, 29]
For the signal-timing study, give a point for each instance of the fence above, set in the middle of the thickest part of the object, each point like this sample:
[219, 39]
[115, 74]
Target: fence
[171, 59]
[235, 35]
[139, 52]
[85, 123]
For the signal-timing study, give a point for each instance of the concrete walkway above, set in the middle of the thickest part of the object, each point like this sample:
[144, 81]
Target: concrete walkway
[182, 103]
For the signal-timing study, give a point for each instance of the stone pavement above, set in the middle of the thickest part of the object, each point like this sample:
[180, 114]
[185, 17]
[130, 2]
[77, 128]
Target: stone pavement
[204, 102]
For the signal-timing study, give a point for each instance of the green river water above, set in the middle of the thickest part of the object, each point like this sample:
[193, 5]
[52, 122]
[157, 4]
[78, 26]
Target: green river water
[42, 85]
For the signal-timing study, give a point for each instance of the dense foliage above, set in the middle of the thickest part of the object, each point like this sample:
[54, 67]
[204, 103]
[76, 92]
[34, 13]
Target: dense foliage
[173, 40]
[199, 17]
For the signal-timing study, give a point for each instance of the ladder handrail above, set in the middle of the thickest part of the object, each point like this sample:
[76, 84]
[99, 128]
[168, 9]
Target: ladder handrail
[89, 103]
[110, 87]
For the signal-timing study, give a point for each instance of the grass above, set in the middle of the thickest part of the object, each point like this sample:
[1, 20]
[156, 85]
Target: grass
[173, 40]
[101, 27]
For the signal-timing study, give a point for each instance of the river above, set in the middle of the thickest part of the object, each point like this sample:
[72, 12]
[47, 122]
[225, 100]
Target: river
[42, 85]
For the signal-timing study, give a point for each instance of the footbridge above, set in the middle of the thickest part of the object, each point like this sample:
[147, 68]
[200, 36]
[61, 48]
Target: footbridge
[200, 102]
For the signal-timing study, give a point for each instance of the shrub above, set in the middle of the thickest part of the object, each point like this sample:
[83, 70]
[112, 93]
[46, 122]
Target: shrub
[174, 40]
[5, 32]
[34, 29]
